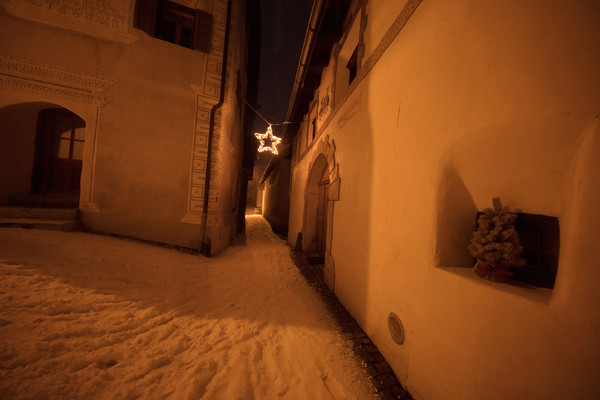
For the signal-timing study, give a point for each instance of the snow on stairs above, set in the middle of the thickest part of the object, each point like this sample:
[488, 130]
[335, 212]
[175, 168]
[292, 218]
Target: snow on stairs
[54, 212]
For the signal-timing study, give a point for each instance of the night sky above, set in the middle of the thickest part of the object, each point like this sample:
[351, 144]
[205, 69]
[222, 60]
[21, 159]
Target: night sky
[284, 25]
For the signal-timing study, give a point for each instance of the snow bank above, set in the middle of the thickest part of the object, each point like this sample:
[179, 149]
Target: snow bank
[94, 317]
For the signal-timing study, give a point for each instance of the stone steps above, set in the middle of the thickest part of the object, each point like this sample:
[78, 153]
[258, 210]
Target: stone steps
[16, 212]
[29, 223]
[58, 212]
[45, 200]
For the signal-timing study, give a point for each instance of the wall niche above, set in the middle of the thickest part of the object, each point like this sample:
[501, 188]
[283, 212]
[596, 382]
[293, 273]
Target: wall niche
[457, 216]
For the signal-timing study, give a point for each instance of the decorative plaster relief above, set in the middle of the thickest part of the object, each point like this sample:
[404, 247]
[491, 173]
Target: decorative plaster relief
[48, 82]
[19, 74]
[207, 96]
[105, 19]
[47, 73]
[327, 148]
[334, 190]
[324, 106]
[47, 90]
[199, 160]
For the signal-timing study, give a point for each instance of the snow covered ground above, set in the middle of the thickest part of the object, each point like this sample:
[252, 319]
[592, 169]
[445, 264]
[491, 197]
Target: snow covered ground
[85, 316]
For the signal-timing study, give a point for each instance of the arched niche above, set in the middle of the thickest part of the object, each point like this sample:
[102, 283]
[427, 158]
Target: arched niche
[24, 153]
[27, 84]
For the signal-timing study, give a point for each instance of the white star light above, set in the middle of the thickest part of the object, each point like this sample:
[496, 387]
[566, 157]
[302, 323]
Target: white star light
[272, 139]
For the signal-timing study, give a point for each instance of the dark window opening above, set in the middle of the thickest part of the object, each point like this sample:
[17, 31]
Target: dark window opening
[352, 66]
[58, 152]
[177, 24]
[174, 23]
[314, 127]
[540, 237]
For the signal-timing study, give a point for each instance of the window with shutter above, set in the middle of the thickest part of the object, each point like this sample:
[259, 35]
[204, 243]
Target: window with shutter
[146, 12]
[174, 23]
[202, 30]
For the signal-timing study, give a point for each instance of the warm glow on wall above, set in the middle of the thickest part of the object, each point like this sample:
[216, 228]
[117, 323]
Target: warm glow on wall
[271, 139]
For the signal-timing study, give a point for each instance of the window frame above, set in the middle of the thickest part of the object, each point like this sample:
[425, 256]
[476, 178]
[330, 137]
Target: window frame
[150, 17]
[179, 16]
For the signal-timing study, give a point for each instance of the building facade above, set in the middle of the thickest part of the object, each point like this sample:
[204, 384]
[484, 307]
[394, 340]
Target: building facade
[119, 105]
[275, 194]
[412, 115]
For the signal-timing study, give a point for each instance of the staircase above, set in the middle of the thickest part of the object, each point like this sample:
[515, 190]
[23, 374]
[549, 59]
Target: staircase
[41, 211]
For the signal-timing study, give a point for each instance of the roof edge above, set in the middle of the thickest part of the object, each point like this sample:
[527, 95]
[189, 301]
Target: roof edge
[314, 23]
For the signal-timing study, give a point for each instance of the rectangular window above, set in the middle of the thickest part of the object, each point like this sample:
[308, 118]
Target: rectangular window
[70, 138]
[352, 66]
[174, 23]
[177, 24]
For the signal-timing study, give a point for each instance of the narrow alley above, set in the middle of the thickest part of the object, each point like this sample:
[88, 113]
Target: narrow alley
[303, 200]
[96, 317]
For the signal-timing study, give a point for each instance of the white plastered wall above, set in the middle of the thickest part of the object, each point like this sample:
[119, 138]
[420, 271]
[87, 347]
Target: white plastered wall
[149, 130]
[470, 101]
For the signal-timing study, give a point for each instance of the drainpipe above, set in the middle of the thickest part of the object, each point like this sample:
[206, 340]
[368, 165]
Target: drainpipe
[205, 242]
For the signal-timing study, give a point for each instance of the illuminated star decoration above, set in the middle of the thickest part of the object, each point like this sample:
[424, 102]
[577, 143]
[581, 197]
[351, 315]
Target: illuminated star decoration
[269, 137]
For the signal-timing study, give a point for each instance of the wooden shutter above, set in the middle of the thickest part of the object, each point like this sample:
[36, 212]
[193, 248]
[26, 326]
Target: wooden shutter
[202, 31]
[146, 13]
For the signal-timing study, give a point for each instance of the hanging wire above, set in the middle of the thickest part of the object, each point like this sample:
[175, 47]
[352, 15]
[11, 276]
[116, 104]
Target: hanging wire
[257, 113]
[283, 123]
[264, 119]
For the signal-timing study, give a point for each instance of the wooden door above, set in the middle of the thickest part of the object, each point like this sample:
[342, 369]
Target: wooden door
[322, 212]
[59, 152]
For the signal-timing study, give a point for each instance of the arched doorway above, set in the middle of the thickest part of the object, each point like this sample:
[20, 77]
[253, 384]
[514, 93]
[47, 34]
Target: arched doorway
[322, 199]
[322, 191]
[58, 158]
[41, 155]
[315, 228]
